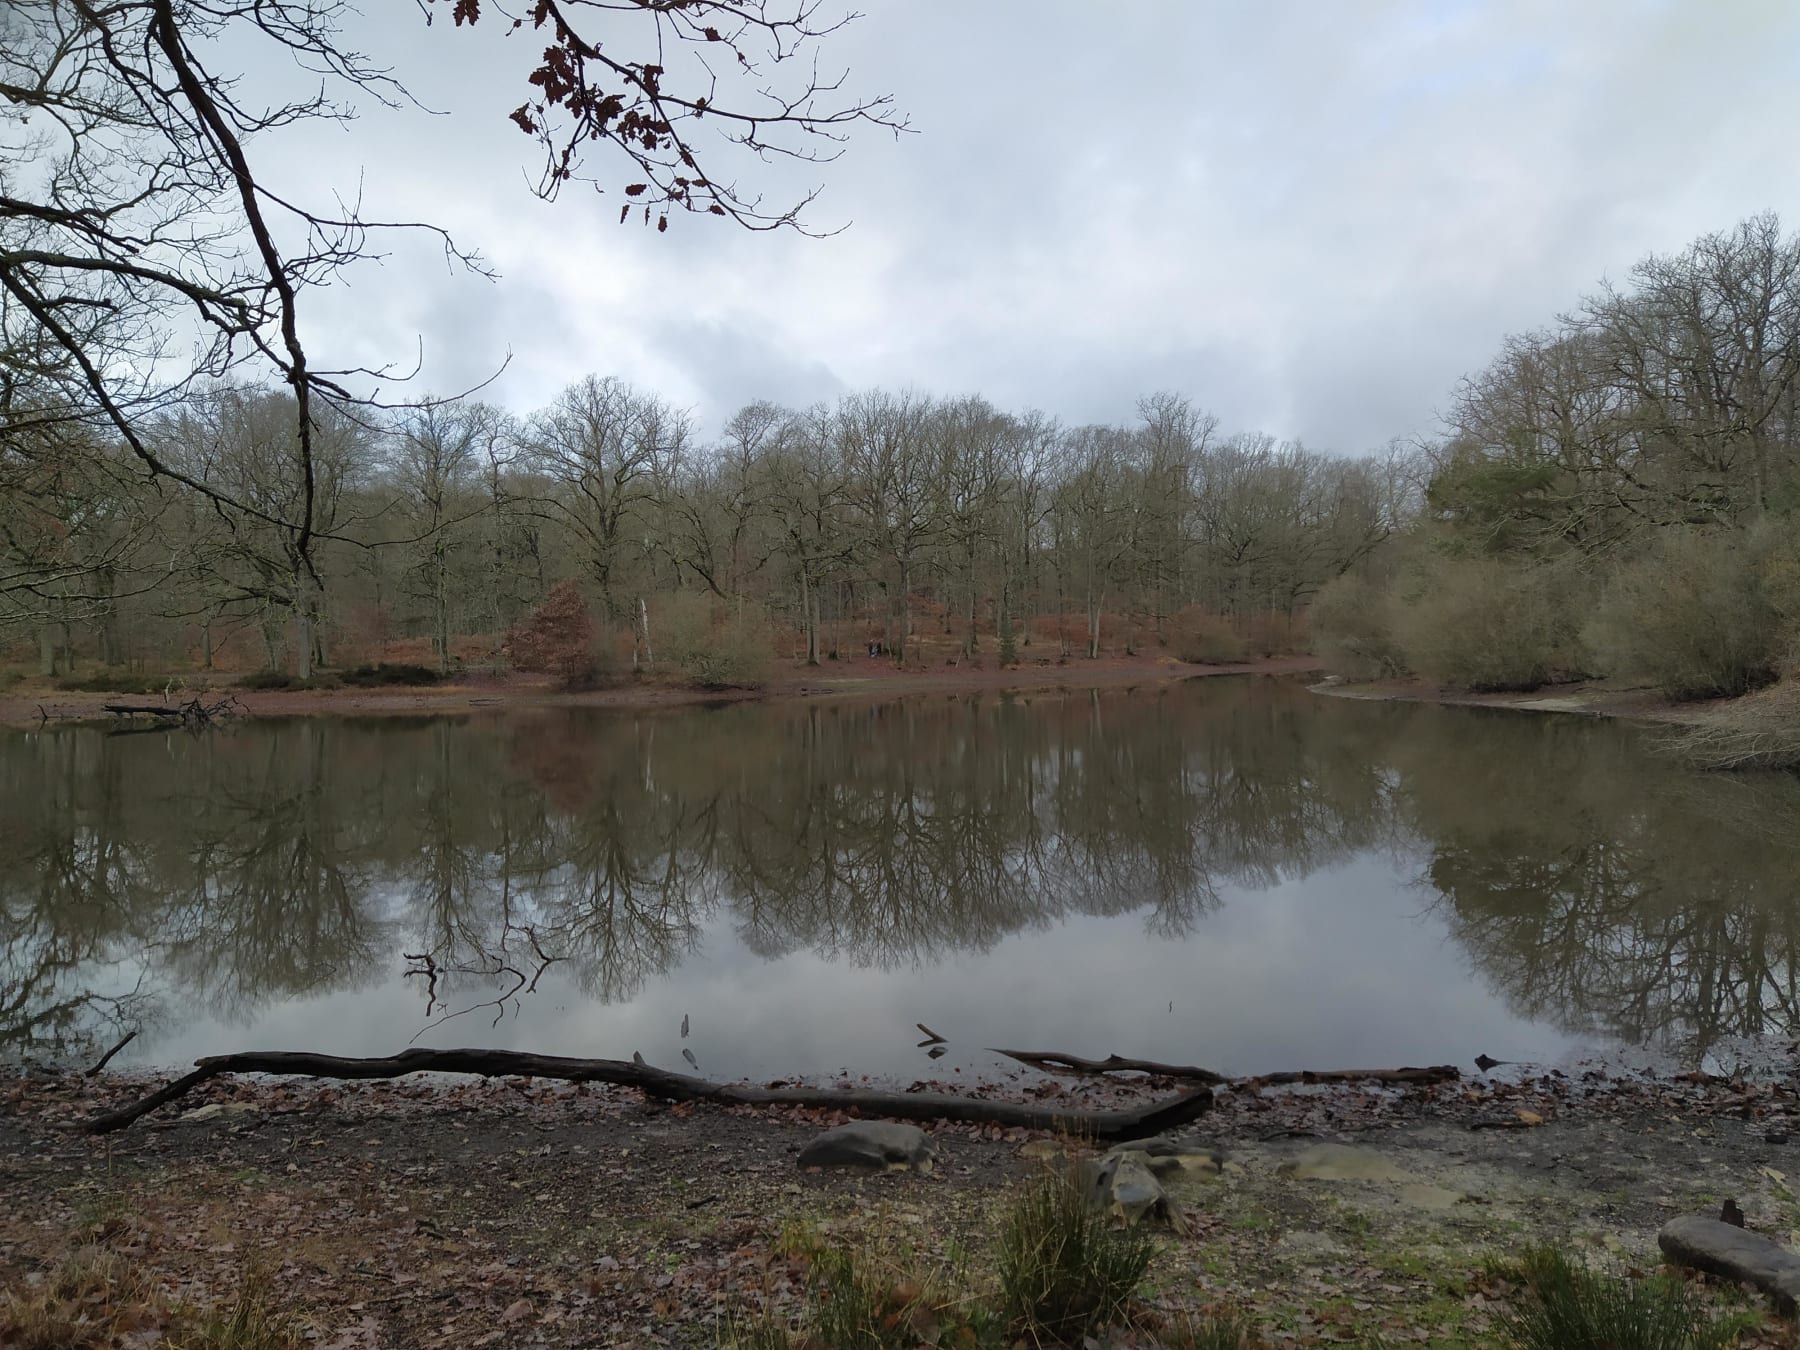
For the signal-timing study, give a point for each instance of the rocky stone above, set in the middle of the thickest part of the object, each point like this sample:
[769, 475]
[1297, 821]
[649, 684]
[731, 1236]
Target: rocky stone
[1166, 1155]
[1733, 1253]
[1123, 1185]
[1341, 1162]
[215, 1109]
[876, 1145]
[1423, 1195]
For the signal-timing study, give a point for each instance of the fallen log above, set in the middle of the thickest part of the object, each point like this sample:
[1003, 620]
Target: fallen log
[1054, 1061]
[1139, 1123]
[191, 714]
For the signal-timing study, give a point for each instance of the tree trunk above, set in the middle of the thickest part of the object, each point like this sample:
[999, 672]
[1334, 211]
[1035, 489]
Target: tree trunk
[306, 638]
[269, 629]
[46, 649]
[809, 618]
[68, 640]
[303, 643]
[643, 615]
[440, 637]
[905, 611]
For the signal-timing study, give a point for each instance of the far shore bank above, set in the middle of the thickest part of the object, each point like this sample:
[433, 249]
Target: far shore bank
[1588, 699]
[859, 677]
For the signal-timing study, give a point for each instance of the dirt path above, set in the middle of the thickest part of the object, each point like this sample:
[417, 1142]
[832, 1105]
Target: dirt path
[858, 677]
[528, 1214]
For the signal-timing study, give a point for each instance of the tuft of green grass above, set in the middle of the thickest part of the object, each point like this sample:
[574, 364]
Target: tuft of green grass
[859, 1305]
[1569, 1307]
[764, 1333]
[861, 1298]
[252, 1321]
[1064, 1270]
[1209, 1333]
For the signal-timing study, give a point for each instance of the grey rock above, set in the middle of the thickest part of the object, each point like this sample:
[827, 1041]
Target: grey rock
[880, 1145]
[1722, 1249]
[1166, 1155]
[1122, 1184]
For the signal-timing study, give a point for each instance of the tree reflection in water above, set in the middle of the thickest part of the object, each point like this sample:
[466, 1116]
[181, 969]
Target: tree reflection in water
[140, 876]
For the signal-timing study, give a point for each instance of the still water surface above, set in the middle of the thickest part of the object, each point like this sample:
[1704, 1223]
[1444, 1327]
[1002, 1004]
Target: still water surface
[1231, 872]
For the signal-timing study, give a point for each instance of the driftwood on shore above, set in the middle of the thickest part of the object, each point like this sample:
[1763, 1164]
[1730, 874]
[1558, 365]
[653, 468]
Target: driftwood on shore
[1053, 1061]
[193, 714]
[1135, 1123]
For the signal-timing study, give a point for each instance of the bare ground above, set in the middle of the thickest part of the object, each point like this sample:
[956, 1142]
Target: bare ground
[523, 1213]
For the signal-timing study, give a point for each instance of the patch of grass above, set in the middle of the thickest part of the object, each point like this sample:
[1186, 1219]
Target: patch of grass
[97, 1299]
[1063, 1269]
[1210, 1333]
[766, 1333]
[253, 1321]
[1568, 1307]
[862, 1302]
[86, 1303]
[862, 1298]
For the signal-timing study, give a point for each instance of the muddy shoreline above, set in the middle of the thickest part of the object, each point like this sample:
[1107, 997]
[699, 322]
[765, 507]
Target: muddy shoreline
[853, 678]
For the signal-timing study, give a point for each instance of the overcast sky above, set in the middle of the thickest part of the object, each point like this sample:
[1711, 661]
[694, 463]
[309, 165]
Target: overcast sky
[1312, 218]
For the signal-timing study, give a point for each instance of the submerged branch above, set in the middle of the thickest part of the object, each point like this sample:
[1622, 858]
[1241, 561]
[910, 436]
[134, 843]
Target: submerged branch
[1053, 1061]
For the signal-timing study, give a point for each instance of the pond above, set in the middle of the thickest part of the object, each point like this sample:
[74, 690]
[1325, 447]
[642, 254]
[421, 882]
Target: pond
[1231, 872]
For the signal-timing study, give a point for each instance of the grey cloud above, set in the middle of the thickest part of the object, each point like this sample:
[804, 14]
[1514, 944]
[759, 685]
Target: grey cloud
[1312, 219]
[730, 364]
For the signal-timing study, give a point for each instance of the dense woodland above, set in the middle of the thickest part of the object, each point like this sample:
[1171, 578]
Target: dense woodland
[449, 523]
[1613, 495]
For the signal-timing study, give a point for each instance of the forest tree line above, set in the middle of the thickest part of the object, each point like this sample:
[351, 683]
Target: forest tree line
[846, 523]
[1614, 495]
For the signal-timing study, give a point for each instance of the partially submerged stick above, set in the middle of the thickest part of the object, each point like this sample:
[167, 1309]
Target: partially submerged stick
[124, 1041]
[1138, 1123]
[1054, 1061]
